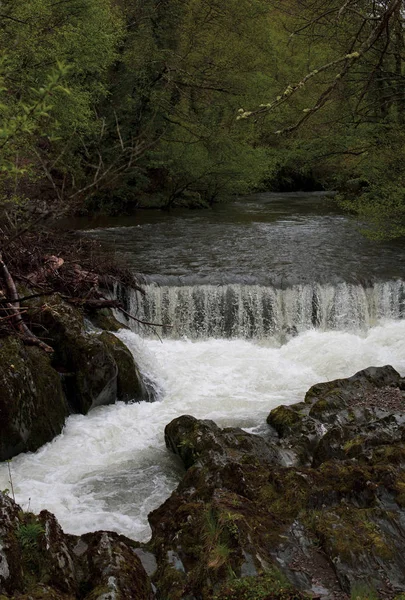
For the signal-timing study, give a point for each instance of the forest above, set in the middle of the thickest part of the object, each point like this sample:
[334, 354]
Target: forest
[202, 404]
[108, 105]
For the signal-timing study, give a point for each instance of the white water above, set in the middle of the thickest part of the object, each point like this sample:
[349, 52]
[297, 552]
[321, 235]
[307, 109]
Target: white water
[260, 312]
[109, 469]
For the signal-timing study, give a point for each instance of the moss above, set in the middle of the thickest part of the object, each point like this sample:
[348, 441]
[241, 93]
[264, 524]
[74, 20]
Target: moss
[32, 405]
[283, 418]
[363, 591]
[100, 591]
[42, 592]
[271, 585]
[399, 489]
[394, 455]
[354, 447]
[130, 385]
[171, 583]
[347, 532]
[104, 319]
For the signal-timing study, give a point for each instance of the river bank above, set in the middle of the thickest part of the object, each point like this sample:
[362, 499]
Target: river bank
[233, 349]
[311, 508]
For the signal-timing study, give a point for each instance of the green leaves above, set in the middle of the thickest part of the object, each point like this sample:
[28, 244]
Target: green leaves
[19, 119]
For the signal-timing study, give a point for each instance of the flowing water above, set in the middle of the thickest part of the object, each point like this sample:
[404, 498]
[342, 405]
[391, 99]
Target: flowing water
[260, 301]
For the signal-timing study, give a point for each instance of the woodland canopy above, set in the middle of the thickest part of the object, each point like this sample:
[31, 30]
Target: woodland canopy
[108, 104]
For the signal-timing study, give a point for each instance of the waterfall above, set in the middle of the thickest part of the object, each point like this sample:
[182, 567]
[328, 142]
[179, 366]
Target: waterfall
[259, 312]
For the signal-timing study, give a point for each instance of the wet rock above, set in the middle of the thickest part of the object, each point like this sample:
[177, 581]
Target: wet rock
[196, 440]
[342, 392]
[10, 551]
[37, 393]
[104, 319]
[89, 368]
[331, 522]
[38, 561]
[130, 385]
[115, 571]
[32, 404]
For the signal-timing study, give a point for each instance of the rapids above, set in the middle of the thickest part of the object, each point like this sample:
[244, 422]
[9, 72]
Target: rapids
[264, 297]
[108, 469]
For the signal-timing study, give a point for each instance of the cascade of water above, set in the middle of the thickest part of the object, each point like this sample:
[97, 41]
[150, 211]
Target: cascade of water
[109, 468]
[253, 311]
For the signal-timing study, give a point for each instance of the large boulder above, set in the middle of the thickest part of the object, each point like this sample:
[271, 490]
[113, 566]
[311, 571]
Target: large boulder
[330, 524]
[38, 392]
[39, 561]
[32, 404]
[97, 369]
[130, 385]
[88, 368]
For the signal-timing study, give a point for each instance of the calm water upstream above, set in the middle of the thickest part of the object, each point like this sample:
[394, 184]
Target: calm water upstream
[278, 239]
[265, 298]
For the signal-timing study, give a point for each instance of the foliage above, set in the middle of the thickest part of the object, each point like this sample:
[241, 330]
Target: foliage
[28, 534]
[106, 103]
[272, 585]
[49, 49]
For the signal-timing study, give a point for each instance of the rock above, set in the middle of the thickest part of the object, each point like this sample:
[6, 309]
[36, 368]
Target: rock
[90, 372]
[130, 385]
[32, 405]
[341, 391]
[115, 570]
[10, 551]
[104, 319]
[37, 393]
[328, 525]
[194, 441]
[38, 561]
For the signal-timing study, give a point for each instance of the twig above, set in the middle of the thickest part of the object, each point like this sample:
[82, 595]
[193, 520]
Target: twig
[10, 317]
[8, 300]
[27, 336]
[10, 480]
[127, 314]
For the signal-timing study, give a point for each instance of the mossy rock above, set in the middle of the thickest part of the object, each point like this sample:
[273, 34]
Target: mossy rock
[283, 418]
[42, 592]
[38, 561]
[104, 319]
[341, 391]
[237, 512]
[114, 568]
[270, 585]
[32, 404]
[88, 367]
[130, 385]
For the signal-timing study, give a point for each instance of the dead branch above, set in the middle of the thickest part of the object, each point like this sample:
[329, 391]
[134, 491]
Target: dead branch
[14, 306]
[31, 297]
[97, 303]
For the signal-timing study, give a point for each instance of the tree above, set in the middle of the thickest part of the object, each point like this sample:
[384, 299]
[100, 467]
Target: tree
[44, 128]
[351, 101]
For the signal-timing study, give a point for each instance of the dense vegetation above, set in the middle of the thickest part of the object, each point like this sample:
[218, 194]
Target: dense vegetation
[105, 104]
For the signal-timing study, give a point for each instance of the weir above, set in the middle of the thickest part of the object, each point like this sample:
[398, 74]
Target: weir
[260, 312]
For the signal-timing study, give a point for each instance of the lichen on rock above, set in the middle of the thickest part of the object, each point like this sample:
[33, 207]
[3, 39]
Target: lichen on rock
[331, 522]
[39, 561]
[32, 404]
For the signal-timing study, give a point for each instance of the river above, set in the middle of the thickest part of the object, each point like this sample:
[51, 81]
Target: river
[261, 299]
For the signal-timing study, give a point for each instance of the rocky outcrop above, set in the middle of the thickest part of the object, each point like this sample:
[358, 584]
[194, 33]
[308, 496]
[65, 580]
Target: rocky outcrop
[317, 509]
[39, 561]
[86, 370]
[32, 404]
[130, 385]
